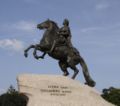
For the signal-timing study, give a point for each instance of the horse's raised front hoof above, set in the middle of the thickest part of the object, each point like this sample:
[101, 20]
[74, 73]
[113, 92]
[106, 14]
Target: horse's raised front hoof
[36, 57]
[25, 54]
[42, 57]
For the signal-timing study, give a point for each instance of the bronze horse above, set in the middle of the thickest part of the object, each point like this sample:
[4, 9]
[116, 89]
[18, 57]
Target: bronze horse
[67, 57]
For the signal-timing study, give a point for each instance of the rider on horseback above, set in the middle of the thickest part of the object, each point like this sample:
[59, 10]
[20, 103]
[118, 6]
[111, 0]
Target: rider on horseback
[64, 36]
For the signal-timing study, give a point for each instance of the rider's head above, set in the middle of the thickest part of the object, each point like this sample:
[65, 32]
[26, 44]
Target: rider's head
[66, 22]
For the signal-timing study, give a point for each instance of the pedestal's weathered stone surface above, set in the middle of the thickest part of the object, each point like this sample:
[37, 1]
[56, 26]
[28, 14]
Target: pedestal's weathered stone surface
[51, 90]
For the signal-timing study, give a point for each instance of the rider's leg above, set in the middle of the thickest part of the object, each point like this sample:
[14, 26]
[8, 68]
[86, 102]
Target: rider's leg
[53, 46]
[63, 67]
[59, 41]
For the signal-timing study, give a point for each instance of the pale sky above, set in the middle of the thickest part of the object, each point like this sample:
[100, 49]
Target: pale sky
[95, 27]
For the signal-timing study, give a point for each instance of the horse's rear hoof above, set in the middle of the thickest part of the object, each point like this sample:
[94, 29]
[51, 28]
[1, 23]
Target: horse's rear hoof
[66, 74]
[75, 74]
[91, 84]
[36, 57]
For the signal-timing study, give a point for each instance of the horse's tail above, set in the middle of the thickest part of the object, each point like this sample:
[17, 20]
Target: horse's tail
[86, 74]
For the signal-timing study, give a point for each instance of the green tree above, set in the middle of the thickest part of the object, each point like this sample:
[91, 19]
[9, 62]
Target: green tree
[13, 98]
[112, 95]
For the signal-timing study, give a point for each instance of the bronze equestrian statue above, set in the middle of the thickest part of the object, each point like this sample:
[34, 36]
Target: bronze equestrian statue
[56, 42]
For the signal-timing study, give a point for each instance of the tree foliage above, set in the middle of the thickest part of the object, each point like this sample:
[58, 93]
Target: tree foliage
[13, 98]
[112, 95]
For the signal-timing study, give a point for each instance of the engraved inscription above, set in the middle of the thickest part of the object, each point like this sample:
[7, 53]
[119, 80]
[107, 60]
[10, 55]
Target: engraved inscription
[55, 90]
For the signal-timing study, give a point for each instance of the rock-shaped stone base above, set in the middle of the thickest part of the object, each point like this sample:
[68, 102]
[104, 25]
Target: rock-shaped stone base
[53, 90]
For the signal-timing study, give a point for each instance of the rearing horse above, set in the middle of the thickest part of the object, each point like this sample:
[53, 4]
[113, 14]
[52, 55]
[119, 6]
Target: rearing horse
[67, 57]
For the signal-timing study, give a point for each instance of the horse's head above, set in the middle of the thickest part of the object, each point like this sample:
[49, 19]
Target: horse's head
[44, 25]
[49, 35]
[47, 25]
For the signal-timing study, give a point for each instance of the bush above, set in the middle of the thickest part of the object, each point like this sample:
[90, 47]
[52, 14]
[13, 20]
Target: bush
[112, 95]
[13, 98]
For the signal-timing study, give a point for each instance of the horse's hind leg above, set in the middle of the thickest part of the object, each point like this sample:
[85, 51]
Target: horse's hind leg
[71, 64]
[63, 67]
[76, 71]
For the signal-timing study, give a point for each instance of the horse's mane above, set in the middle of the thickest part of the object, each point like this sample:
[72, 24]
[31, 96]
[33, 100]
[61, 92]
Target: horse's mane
[55, 24]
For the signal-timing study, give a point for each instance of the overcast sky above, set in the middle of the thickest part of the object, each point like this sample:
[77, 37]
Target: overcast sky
[95, 27]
